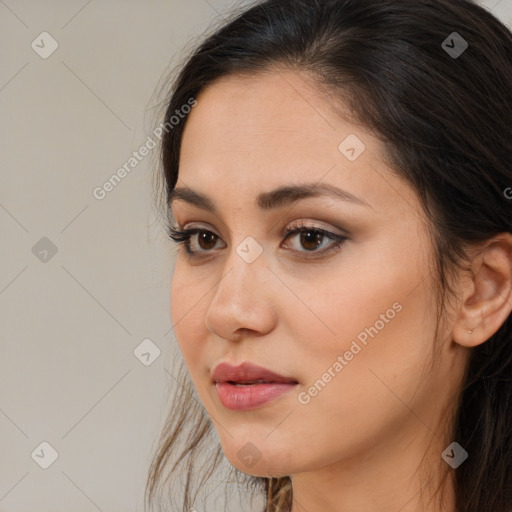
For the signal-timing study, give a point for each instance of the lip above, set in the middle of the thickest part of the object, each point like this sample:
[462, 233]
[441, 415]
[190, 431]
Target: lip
[247, 372]
[239, 397]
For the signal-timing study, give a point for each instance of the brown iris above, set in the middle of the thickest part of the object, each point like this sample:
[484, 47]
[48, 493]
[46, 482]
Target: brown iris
[311, 237]
[206, 238]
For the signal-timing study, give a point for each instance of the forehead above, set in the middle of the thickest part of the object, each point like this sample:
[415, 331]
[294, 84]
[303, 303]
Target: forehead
[250, 134]
[279, 109]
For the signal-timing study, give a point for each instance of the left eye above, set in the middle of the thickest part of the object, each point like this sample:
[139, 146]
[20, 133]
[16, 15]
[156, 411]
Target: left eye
[311, 238]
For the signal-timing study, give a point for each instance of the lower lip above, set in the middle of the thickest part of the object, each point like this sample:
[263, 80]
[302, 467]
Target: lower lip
[243, 398]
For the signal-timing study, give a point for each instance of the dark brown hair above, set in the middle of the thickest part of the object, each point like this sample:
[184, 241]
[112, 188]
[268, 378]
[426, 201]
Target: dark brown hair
[446, 123]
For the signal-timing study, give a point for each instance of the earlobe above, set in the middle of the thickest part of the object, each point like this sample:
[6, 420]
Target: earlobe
[486, 293]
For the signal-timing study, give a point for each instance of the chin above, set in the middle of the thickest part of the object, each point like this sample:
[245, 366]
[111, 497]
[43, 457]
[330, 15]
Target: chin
[259, 461]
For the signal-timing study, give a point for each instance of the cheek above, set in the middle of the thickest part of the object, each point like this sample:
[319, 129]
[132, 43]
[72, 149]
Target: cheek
[384, 333]
[359, 336]
[187, 316]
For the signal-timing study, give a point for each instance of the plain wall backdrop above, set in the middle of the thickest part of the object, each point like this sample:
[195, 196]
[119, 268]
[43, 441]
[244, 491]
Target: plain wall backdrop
[85, 333]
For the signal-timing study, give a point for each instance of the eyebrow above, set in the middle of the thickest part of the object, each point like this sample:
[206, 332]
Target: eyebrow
[277, 198]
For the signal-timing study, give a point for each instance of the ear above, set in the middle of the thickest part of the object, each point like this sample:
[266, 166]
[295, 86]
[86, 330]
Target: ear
[486, 292]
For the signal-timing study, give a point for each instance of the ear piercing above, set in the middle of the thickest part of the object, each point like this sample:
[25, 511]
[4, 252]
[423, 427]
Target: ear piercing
[470, 331]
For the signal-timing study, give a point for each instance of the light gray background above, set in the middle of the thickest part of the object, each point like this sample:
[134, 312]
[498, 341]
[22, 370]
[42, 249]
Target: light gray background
[69, 325]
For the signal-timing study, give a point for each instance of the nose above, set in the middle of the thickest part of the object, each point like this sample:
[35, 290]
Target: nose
[243, 300]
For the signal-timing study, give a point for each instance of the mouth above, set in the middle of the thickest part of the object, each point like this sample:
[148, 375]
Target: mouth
[248, 386]
[246, 374]
[242, 384]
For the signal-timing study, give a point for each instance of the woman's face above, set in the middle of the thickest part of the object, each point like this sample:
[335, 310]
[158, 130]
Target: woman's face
[352, 324]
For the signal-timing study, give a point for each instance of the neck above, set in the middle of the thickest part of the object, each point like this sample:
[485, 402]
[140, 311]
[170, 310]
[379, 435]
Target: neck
[398, 476]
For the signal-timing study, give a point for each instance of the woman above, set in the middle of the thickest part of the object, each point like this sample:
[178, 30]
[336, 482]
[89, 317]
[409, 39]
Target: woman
[342, 294]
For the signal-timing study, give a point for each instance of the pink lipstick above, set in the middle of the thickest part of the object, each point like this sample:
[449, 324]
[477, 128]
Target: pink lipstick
[248, 386]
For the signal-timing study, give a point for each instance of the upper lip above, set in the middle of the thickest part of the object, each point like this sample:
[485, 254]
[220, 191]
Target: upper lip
[247, 372]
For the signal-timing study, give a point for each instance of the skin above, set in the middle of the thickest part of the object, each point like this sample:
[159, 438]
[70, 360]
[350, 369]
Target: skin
[372, 438]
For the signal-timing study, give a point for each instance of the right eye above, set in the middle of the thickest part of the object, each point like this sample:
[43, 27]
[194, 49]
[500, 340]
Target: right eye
[186, 237]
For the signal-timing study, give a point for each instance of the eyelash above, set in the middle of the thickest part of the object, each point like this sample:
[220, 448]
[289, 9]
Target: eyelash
[182, 237]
